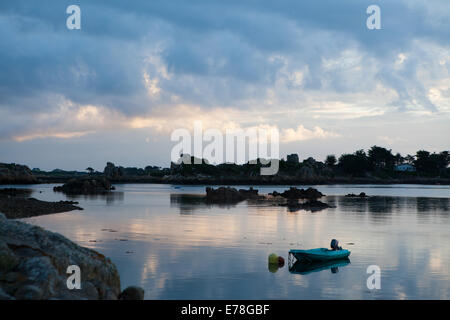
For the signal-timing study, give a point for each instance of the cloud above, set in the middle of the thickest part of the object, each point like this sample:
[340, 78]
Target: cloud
[211, 53]
[301, 134]
[390, 140]
[71, 120]
[247, 63]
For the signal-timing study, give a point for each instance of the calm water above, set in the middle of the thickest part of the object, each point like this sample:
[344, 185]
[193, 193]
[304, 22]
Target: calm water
[163, 238]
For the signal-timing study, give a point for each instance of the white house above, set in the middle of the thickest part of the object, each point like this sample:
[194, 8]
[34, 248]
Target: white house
[405, 167]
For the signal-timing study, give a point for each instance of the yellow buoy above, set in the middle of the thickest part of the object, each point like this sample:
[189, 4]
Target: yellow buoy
[273, 258]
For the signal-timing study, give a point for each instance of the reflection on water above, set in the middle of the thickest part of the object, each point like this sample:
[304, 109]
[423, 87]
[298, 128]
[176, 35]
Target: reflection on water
[108, 197]
[22, 192]
[273, 267]
[189, 203]
[432, 205]
[177, 247]
[304, 268]
[382, 207]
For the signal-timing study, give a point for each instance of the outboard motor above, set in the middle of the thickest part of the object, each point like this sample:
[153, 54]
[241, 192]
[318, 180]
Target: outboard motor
[335, 245]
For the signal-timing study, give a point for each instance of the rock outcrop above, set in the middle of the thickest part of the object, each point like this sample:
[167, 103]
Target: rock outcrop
[352, 195]
[309, 199]
[229, 195]
[112, 172]
[16, 174]
[85, 185]
[34, 262]
[15, 207]
[310, 194]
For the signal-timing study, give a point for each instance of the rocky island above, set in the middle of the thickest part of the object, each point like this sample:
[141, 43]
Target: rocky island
[85, 185]
[230, 195]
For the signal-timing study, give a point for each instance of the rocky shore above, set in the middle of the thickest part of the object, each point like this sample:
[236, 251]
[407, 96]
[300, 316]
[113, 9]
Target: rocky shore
[11, 173]
[34, 263]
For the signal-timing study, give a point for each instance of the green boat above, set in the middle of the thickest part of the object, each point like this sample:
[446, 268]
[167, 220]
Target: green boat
[319, 254]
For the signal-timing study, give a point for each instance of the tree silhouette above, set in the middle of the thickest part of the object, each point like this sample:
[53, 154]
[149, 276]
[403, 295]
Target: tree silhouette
[330, 161]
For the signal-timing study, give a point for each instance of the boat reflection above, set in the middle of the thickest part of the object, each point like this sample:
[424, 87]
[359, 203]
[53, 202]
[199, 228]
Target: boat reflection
[304, 268]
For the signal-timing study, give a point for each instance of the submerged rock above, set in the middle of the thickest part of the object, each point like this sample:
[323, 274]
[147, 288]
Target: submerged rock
[85, 185]
[34, 262]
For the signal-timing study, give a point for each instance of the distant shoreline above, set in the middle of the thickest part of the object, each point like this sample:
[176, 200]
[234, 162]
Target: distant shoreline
[265, 180]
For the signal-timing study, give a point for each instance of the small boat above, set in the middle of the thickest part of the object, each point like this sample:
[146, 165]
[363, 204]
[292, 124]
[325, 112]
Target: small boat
[319, 254]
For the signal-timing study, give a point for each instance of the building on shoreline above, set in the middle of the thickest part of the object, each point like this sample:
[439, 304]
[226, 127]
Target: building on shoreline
[405, 167]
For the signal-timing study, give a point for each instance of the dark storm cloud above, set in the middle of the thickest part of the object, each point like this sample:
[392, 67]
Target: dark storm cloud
[215, 52]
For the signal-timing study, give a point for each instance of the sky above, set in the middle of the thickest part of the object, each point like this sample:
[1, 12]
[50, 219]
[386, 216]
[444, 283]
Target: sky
[137, 70]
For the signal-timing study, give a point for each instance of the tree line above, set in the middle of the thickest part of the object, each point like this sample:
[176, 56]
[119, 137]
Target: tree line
[382, 160]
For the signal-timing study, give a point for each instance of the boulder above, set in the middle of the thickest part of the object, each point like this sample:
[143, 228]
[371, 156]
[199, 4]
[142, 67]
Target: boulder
[34, 262]
[132, 293]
